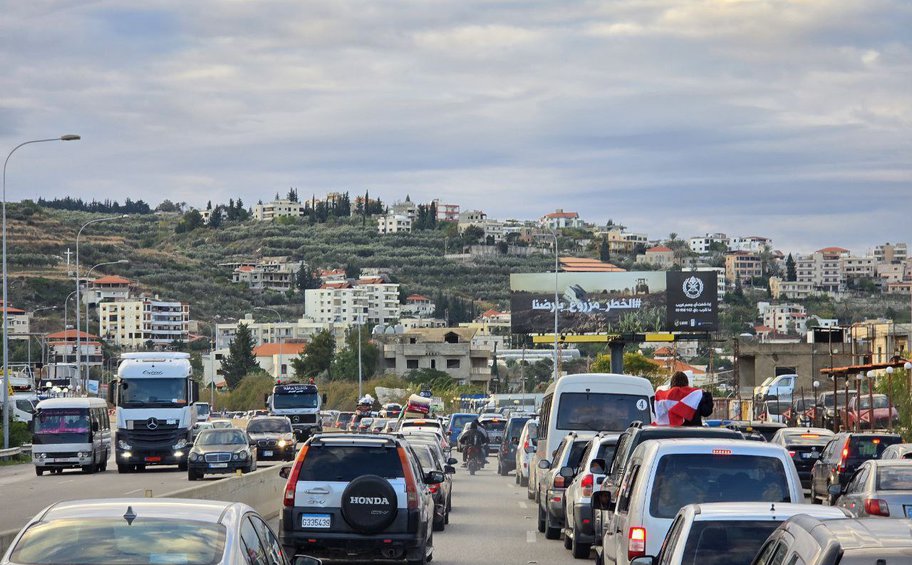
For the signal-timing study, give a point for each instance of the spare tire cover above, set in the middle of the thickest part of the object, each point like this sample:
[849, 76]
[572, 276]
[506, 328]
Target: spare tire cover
[369, 504]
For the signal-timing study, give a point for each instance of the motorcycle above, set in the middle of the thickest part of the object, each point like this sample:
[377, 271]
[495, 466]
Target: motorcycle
[474, 459]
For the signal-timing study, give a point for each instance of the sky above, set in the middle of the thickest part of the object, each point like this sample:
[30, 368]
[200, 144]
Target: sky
[786, 119]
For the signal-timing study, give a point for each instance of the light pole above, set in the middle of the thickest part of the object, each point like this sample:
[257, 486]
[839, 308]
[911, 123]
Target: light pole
[360, 323]
[89, 274]
[66, 311]
[281, 339]
[78, 345]
[35, 311]
[6, 399]
[556, 301]
[870, 400]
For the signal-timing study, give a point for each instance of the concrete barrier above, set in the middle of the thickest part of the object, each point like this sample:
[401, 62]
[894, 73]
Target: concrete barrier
[262, 490]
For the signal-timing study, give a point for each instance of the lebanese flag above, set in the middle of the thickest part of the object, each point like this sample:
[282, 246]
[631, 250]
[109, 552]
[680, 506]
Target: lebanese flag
[676, 405]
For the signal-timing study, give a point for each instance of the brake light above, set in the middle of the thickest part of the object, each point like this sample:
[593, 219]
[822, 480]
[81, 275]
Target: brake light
[434, 488]
[875, 441]
[288, 499]
[636, 543]
[411, 486]
[525, 445]
[845, 455]
[586, 484]
[791, 453]
[876, 507]
[813, 436]
[721, 451]
[559, 482]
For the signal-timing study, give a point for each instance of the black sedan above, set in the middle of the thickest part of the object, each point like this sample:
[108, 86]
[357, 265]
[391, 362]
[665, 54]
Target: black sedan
[220, 452]
[273, 438]
[431, 459]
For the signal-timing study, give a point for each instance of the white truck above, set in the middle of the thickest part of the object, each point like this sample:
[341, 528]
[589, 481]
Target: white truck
[153, 395]
[301, 404]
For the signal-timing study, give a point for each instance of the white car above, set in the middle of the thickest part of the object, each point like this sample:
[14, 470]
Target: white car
[702, 533]
[524, 451]
[663, 476]
[578, 522]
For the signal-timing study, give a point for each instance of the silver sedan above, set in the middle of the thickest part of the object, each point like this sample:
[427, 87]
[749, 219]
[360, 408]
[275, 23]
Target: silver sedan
[147, 530]
[878, 488]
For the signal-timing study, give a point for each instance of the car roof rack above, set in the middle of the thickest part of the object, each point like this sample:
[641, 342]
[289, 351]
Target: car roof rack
[636, 424]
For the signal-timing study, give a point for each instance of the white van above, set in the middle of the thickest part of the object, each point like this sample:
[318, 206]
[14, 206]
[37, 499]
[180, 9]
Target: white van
[590, 402]
[663, 476]
[69, 433]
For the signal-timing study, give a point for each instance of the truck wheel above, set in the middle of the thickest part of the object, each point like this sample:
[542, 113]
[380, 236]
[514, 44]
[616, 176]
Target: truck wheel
[39, 471]
[88, 469]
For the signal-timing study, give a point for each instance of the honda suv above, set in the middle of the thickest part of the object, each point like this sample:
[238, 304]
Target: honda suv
[358, 497]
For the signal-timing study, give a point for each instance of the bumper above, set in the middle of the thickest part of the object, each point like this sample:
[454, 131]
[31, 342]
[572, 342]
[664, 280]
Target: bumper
[158, 457]
[349, 546]
[304, 431]
[555, 506]
[508, 462]
[206, 468]
[275, 453]
[582, 519]
[62, 462]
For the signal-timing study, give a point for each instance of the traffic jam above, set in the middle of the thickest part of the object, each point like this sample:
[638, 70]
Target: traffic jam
[619, 472]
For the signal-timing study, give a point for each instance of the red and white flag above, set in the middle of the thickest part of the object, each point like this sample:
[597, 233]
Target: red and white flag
[676, 405]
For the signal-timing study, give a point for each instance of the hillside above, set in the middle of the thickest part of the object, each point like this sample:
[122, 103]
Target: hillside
[185, 266]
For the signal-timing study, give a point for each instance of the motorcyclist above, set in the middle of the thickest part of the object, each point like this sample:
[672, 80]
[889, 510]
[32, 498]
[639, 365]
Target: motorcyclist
[473, 436]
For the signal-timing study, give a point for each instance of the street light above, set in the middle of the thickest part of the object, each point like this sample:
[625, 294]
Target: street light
[556, 299]
[89, 274]
[6, 399]
[78, 345]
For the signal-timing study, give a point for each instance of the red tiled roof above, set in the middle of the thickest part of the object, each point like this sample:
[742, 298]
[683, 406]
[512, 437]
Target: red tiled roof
[270, 349]
[70, 335]
[763, 329]
[73, 343]
[244, 269]
[325, 273]
[12, 310]
[659, 249]
[569, 215]
[371, 280]
[675, 365]
[664, 351]
[336, 284]
[492, 313]
[832, 250]
[112, 279]
[417, 298]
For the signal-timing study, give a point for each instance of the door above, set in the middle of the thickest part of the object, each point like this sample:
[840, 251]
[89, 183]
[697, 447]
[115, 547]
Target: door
[615, 549]
[853, 499]
[821, 469]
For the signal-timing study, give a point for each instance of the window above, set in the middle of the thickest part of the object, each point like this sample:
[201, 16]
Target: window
[452, 363]
[545, 416]
[671, 541]
[270, 543]
[345, 464]
[796, 560]
[627, 488]
[411, 363]
[726, 541]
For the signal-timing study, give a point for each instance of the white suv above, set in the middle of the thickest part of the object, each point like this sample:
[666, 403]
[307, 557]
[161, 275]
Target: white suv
[663, 476]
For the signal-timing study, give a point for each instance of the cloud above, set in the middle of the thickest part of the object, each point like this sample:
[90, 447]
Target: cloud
[785, 119]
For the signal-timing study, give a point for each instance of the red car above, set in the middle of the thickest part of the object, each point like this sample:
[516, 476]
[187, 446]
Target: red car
[859, 410]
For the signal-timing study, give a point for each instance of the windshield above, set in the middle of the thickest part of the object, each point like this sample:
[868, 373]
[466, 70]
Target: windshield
[202, 410]
[494, 425]
[728, 542]
[695, 478]
[82, 541]
[601, 412]
[153, 392]
[828, 399]
[458, 421]
[516, 426]
[269, 425]
[221, 437]
[62, 425]
[880, 401]
[292, 401]
[346, 463]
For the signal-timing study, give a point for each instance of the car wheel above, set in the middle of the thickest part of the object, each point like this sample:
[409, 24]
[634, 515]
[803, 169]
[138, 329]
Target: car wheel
[523, 481]
[440, 524]
[88, 469]
[426, 551]
[580, 550]
[123, 469]
[599, 560]
[104, 464]
[541, 520]
[446, 517]
[831, 500]
[39, 471]
[550, 531]
[192, 476]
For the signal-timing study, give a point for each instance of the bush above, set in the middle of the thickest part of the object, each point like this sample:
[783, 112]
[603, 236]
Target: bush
[19, 433]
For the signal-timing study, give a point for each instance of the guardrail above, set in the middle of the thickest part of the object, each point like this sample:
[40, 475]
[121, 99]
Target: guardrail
[11, 452]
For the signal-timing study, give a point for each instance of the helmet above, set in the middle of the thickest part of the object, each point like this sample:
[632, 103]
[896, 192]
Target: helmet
[473, 425]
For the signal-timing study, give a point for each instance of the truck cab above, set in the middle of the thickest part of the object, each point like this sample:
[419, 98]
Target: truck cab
[301, 404]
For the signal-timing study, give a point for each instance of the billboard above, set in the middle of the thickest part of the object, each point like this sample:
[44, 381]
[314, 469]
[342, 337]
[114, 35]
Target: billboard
[623, 302]
[692, 298]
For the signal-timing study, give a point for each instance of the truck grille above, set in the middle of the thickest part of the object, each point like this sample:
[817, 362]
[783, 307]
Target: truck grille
[152, 439]
[266, 443]
[218, 457]
[303, 418]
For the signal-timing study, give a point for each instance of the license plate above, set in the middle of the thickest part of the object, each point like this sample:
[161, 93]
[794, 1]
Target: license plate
[155, 459]
[316, 520]
[218, 465]
[810, 455]
[267, 454]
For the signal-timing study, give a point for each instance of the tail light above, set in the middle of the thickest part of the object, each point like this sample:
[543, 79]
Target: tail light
[845, 455]
[411, 486]
[434, 488]
[526, 446]
[876, 507]
[636, 543]
[792, 454]
[586, 484]
[559, 482]
[289, 497]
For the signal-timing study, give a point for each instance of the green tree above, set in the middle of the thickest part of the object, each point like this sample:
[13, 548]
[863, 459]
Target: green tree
[604, 252]
[472, 235]
[215, 218]
[317, 358]
[791, 274]
[305, 279]
[240, 359]
[345, 364]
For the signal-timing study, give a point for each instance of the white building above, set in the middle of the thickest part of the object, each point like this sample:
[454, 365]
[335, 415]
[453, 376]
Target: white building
[784, 318]
[752, 243]
[394, 223]
[560, 219]
[702, 244]
[275, 359]
[891, 253]
[108, 288]
[277, 209]
[300, 330]
[62, 348]
[133, 324]
[17, 321]
[418, 306]
[273, 274]
[369, 303]
[859, 267]
[823, 269]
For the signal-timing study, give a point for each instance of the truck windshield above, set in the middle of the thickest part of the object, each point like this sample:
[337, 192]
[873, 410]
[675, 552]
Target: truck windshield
[601, 412]
[292, 401]
[202, 410]
[154, 392]
[61, 425]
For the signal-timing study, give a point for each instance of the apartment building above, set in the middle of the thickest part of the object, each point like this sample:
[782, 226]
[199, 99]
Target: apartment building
[345, 303]
[781, 289]
[620, 241]
[443, 349]
[891, 253]
[276, 273]
[750, 243]
[277, 209]
[418, 306]
[133, 324]
[702, 244]
[559, 220]
[471, 218]
[859, 267]
[784, 318]
[17, 322]
[107, 288]
[823, 269]
[743, 266]
[447, 212]
[658, 256]
[407, 208]
[394, 223]
[62, 348]
[296, 331]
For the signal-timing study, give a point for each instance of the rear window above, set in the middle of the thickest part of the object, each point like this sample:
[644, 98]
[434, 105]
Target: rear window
[894, 478]
[806, 439]
[727, 542]
[576, 453]
[88, 541]
[516, 426]
[458, 421]
[701, 477]
[346, 463]
[494, 425]
[601, 412]
[870, 447]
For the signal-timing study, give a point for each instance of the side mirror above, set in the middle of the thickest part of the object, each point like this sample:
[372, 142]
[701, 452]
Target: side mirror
[94, 426]
[647, 560]
[601, 500]
[434, 477]
[31, 424]
[834, 490]
[544, 464]
[194, 391]
[324, 398]
[598, 467]
[452, 461]
[566, 472]
[285, 471]
[449, 469]
[530, 448]
[307, 560]
[514, 440]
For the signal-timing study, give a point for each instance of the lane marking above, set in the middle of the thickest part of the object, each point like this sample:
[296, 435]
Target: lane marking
[530, 536]
[133, 491]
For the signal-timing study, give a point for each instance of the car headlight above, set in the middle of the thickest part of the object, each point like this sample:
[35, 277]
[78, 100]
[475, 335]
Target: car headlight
[82, 454]
[194, 456]
[181, 443]
[282, 443]
[240, 455]
[123, 445]
[41, 455]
